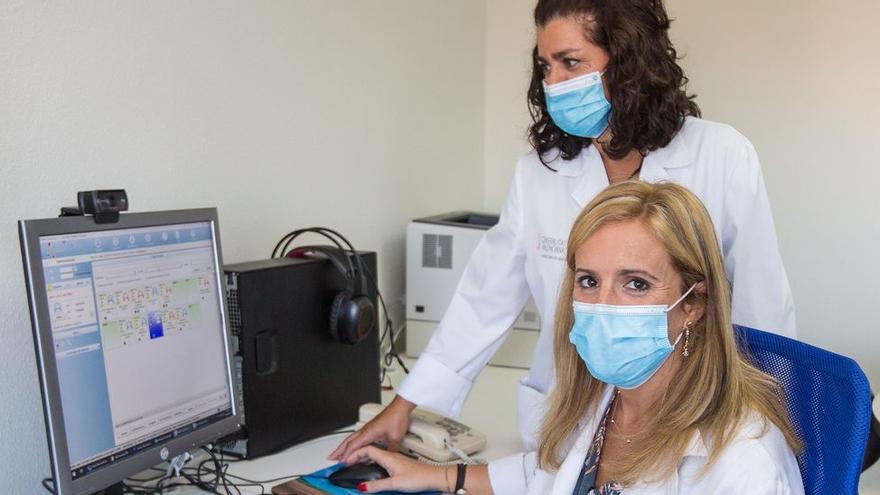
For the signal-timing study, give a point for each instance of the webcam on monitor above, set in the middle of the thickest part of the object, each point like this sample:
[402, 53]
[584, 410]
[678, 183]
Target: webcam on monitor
[103, 204]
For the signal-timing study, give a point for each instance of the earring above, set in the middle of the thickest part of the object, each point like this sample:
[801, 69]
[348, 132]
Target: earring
[687, 339]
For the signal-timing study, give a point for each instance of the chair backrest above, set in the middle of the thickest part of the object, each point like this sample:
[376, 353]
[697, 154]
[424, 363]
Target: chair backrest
[829, 403]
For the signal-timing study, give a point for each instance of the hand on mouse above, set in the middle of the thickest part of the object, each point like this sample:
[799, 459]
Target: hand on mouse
[388, 427]
[405, 474]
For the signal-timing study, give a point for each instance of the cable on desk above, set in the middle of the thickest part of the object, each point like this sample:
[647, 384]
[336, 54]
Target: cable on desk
[147, 480]
[49, 485]
[210, 475]
[286, 477]
[273, 480]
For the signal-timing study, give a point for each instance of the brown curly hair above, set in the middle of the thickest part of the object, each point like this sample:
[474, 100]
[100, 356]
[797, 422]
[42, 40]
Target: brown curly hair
[646, 85]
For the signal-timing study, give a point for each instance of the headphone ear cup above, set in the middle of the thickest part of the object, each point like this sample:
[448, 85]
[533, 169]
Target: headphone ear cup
[337, 312]
[352, 319]
[365, 321]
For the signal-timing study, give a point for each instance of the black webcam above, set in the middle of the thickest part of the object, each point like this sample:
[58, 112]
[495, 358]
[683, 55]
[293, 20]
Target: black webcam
[104, 204]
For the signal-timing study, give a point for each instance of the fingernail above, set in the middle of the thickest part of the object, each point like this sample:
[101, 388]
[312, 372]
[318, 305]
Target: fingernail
[362, 487]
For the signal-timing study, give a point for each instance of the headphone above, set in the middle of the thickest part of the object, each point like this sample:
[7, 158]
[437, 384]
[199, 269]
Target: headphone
[352, 314]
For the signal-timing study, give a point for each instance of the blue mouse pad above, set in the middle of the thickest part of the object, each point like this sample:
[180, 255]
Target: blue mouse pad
[319, 479]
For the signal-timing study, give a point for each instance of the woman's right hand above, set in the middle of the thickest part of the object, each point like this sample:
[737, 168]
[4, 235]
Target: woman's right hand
[404, 474]
[388, 428]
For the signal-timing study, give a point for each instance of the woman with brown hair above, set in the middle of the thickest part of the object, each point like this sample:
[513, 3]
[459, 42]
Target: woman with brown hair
[609, 103]
[652, 394]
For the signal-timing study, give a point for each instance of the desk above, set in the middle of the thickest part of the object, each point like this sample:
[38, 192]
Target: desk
[491, 408]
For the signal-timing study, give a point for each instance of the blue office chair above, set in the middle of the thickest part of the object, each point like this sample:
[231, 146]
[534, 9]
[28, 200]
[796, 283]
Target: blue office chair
[872, 452]
[829, 403]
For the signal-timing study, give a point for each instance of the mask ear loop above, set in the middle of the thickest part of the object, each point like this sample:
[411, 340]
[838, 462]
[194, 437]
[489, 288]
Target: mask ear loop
[679, 338]
[686, 331]
[680, 299]
[608, 125]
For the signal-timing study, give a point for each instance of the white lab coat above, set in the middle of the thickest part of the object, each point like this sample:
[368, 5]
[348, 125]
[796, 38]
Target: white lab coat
[758, 461]
[524, 254]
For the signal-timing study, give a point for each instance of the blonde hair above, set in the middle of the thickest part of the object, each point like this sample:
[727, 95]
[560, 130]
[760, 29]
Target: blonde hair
[715, 387]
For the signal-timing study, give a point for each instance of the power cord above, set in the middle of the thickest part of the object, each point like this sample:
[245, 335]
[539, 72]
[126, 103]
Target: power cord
[388, 358]
[210, 476]
[391, 355]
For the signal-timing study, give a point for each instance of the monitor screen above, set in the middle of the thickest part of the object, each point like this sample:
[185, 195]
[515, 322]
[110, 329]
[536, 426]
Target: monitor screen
[131, 340]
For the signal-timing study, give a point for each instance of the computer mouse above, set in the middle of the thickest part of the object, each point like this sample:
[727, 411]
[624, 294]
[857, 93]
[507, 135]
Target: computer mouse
[354, 475]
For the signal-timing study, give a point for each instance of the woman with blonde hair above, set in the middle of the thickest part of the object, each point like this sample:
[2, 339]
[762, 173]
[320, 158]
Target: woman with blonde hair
[652, 394]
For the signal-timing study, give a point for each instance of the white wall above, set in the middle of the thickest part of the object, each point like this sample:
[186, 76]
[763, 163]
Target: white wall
[357, 115]
[800, 80]
[509, 42]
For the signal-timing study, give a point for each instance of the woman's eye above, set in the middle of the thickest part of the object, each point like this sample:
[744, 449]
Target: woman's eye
[638, 285]
[571, 63]
[544, 68]
[587, 282]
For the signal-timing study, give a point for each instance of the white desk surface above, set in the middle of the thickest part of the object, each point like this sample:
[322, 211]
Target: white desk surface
[491, 408]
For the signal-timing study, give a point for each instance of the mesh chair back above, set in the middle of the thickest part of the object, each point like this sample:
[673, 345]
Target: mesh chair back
[829, 403]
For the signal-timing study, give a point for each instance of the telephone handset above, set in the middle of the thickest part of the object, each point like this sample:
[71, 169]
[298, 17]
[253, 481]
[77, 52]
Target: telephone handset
[431, 435]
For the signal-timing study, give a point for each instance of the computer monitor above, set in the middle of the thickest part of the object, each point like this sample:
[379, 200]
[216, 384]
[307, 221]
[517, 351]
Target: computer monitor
[131, 341]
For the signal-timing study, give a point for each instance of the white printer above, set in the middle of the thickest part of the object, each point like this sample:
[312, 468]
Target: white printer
[437, 250]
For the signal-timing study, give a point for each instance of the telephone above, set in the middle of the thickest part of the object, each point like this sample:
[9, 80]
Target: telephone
[430, 435]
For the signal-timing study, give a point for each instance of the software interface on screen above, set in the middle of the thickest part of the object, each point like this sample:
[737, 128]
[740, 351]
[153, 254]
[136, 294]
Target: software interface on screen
[137, 332]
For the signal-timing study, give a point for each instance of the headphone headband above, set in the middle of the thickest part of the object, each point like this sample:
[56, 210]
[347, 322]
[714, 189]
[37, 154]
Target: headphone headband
[357, 268]
[335, 256]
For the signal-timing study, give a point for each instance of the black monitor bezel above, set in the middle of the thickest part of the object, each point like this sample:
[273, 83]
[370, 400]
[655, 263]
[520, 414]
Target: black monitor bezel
[30, 232]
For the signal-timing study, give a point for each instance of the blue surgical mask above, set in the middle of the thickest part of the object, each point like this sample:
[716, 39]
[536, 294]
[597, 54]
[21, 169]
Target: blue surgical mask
[623, 345]
[578, 106]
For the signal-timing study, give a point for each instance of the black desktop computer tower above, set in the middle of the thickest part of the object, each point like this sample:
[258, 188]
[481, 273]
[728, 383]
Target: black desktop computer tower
[296, 381]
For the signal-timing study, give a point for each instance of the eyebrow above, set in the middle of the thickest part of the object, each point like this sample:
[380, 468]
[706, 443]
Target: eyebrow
[633, 271]
[560, 54]
[624, 272]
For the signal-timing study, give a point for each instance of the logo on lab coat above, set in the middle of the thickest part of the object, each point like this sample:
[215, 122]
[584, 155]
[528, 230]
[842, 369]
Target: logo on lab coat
[551, 248]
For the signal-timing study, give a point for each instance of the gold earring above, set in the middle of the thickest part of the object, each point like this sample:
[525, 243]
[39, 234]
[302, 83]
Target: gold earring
[687, 339]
